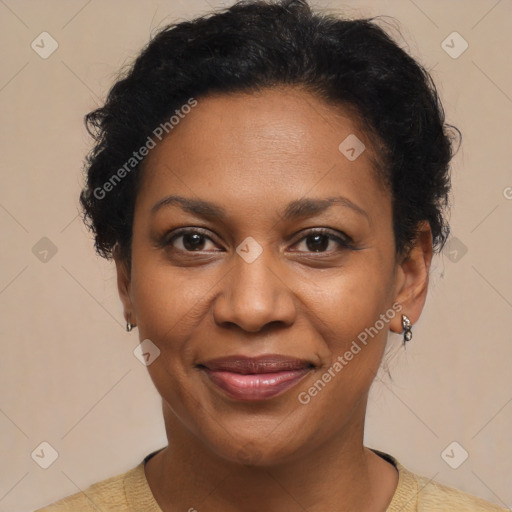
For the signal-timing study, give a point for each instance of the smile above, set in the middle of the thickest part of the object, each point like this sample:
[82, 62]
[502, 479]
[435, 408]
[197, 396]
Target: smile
[255, 378]
[261, 386]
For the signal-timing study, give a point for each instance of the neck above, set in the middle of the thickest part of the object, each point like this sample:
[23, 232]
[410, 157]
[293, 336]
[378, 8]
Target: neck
[339, 475]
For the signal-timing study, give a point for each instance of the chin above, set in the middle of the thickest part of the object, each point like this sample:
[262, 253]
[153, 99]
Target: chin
[260, 453]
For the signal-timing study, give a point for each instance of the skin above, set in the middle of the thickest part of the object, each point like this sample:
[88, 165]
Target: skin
[252, 154]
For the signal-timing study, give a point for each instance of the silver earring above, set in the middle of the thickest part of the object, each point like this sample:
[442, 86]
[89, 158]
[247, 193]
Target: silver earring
[129, 325]
[406, 325]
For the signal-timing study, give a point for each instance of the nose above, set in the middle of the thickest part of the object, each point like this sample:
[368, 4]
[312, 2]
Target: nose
[255, 295]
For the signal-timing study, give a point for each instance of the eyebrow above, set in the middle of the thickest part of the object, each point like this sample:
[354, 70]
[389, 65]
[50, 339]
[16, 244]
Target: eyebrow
[300, 208]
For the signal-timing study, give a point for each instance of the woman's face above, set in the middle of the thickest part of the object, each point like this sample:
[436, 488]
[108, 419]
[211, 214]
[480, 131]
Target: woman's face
[293, 255]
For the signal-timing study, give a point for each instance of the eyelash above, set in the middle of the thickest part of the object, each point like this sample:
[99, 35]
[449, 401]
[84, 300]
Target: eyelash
[344, 243]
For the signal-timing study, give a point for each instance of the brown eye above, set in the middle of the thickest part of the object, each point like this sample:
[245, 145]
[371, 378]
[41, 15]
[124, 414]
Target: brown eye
[321, 240]
[191, 240]
[317, 243]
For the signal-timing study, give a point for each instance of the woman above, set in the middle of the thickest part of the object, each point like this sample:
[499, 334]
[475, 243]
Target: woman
[272, 184]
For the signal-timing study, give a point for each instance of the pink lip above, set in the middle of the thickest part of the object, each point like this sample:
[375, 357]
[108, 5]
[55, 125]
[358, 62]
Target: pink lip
[256, 378]
[255, 386]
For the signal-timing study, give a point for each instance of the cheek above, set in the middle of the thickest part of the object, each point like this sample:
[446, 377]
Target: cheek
[165, 299]
[351, 313]
[348, 320]
[165, 303]
[354, 337]
[349, 301]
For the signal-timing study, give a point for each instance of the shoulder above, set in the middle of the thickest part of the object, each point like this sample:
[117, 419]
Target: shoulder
[106, 495]
[416, 493]
[435, 496]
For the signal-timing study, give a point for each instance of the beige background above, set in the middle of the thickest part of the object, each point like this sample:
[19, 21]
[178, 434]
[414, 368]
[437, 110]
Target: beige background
[68, 375]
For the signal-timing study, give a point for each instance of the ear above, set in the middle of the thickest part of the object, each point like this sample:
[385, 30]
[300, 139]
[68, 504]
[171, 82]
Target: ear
[124, 285]
[412, 278]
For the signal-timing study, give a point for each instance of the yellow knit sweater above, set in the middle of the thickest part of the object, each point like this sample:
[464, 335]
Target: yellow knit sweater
[130, 491]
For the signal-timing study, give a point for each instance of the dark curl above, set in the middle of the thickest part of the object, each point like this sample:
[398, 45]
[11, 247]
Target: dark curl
[258, 44]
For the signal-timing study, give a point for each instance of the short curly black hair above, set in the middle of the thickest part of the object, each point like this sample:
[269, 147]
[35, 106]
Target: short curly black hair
[259, 44]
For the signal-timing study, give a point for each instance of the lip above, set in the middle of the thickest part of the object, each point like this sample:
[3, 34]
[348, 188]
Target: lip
[266, 363]
[256, 378]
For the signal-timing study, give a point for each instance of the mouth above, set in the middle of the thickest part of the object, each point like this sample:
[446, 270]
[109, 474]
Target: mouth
[255, 378]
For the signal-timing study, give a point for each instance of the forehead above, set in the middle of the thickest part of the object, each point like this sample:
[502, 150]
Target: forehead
[281, 142]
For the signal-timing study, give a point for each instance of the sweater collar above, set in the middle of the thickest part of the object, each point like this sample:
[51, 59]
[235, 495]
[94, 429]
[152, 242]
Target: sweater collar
[140, 497]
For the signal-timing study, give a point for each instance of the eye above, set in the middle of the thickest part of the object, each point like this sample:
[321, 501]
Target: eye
[189, 240]
[321, 239]
[196, 240]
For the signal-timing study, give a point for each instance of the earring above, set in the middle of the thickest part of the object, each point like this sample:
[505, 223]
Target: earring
[406, 325]
[129, 325]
